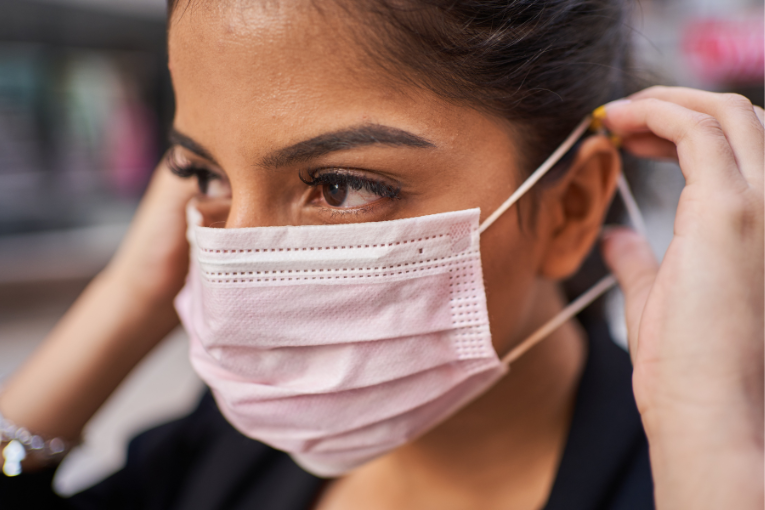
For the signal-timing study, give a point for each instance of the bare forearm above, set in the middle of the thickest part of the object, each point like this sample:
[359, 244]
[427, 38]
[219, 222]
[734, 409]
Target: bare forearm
[87, 355]
[122, 314]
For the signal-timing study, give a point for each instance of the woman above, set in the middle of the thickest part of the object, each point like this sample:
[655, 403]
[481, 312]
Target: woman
[344, 115]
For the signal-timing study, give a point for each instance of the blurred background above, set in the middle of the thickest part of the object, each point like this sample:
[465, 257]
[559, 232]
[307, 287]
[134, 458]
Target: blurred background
[85, 103]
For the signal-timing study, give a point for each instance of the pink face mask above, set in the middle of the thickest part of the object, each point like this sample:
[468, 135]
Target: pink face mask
[338, 343]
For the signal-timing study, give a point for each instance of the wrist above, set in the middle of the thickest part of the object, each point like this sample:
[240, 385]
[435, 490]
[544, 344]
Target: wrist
[133, 318]
[23, 450]
[138, 298]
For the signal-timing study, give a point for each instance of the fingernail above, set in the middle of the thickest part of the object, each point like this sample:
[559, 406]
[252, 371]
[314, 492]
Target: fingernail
[609, 106]
[601, 112]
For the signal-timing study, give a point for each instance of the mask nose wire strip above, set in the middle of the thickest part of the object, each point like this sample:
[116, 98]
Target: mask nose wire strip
[538, 173]
[572, 309]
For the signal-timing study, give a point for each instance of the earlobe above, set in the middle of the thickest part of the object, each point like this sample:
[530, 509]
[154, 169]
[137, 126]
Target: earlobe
[577, 205]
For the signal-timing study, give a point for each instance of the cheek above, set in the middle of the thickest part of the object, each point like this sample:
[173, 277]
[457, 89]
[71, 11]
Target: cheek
[509, 271]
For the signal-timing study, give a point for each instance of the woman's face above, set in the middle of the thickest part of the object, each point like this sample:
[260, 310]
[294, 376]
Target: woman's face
[271, 95]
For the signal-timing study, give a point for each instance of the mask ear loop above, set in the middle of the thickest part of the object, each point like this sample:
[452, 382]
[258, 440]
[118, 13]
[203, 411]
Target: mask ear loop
[539, 172]
[593, 122]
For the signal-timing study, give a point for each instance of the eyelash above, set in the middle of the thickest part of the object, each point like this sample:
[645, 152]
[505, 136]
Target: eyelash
[203, 175]
[353, 181]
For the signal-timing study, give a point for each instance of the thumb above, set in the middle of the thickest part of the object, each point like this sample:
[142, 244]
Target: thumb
[631, 260]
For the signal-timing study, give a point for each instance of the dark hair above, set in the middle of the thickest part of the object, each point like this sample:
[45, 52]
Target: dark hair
[540, 64]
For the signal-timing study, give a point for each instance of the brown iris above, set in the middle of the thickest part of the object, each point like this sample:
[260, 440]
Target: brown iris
[335, 194]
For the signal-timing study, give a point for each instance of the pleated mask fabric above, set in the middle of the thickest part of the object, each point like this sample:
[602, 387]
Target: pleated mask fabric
[339, 343]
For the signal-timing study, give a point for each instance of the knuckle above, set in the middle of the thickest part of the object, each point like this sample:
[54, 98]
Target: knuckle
[706, 125]
[744, 110]
[736, 101]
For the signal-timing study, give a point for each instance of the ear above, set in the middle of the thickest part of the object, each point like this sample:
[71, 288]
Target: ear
[576, 205]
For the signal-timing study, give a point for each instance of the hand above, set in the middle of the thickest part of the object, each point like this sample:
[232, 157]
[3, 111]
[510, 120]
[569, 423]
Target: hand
[119, 318]
[153, 259]
[695, 322]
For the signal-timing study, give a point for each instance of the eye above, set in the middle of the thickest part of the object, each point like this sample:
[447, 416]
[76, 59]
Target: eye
[214, 186]
[342, 195]
[344, 189]
[211, 183]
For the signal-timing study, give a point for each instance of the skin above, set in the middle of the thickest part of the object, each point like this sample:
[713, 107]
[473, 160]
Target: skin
[698, 377]
[253, 80]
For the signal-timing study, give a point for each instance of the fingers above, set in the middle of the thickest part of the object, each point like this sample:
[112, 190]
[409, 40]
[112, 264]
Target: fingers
[736, 115]
[631, 260]
[648, 145]
[703, 150]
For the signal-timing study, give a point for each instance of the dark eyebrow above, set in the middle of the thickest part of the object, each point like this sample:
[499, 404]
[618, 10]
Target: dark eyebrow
[175, 137]
[343, 140]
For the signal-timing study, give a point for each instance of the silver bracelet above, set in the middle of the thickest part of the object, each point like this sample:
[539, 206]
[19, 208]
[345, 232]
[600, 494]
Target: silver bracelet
[23, 444]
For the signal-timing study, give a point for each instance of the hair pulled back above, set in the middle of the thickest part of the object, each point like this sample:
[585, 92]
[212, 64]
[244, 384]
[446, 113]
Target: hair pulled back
[540, 64]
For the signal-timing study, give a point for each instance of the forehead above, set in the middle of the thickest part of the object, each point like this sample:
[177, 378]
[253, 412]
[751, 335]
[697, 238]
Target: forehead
[251, 77]
[251, 73]
[277, 42]
[273, 59]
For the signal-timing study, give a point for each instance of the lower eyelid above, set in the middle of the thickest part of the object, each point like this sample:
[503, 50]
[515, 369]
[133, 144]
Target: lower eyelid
[369, 208]
[357, 211]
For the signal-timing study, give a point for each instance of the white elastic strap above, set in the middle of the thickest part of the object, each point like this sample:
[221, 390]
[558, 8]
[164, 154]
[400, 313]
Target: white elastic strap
[572, 309]
[538, 173]
[636, 218]
[597, 290]
[580, 303]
